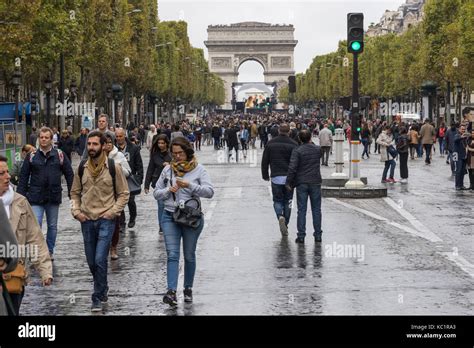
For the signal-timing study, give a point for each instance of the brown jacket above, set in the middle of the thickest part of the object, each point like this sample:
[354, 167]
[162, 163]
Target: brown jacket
[413, 137]
[96, 196]
[427, 133]
[28, 233]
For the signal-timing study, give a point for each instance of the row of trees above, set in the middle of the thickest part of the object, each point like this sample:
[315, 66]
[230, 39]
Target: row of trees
[104, 42]
[438, 49]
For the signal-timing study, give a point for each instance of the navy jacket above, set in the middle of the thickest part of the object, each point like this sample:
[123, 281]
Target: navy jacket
[305, 166]
[40, 177]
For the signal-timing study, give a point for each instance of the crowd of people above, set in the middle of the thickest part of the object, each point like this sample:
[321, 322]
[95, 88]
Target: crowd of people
[110, 174]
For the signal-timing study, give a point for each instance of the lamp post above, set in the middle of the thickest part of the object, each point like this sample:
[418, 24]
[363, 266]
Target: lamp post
[108, 95]
[16, 81]
[48, 85]
[459, 101]
[72, 97]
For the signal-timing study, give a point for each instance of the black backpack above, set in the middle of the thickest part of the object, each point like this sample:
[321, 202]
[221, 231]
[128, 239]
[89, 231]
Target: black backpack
[111, 165]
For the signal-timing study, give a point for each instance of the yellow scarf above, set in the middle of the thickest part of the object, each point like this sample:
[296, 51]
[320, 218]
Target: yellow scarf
[182, 167]
[96, 169]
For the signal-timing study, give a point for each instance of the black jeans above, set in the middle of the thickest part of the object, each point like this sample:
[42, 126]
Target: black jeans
[232, 147]
[132, 207]
[404, 165]
[428, 152]
[471, 178]
[413, 150]
[325, 154]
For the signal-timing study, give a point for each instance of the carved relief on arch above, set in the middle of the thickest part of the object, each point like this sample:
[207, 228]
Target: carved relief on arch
[261, 58]
[221, 62]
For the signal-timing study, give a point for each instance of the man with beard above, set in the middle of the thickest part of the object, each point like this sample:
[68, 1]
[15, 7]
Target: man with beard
[99, 193]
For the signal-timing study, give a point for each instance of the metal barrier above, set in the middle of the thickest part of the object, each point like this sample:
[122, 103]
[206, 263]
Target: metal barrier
[12, 139]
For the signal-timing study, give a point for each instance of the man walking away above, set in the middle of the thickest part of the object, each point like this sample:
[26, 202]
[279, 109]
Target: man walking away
[427, 133]
[304, 173]
[325, 141]
[277, 155]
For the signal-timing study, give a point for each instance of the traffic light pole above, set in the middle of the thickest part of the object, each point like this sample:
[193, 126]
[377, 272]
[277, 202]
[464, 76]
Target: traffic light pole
[354, 172]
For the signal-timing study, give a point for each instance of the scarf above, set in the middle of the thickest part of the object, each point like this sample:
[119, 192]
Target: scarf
[182, 167]
[96, 169]
[7, 199]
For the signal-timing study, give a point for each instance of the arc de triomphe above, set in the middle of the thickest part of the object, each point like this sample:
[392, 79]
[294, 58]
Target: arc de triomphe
[272, 46]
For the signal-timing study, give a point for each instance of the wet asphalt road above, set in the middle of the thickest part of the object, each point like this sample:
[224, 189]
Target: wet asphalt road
[410, 253]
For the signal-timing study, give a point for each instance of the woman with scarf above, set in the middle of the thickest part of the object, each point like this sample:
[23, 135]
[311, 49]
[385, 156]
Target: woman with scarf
[119, 158]
[159, 158]
[183, 179]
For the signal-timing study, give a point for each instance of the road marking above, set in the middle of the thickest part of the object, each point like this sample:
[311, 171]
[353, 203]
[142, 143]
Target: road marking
[427, 234]
[209, 213]
[462, 263]
[381, 218]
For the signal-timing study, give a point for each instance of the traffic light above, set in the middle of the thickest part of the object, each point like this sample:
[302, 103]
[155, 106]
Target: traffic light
[34, 101]
[355, 33]
[117, 91]
[356, 126]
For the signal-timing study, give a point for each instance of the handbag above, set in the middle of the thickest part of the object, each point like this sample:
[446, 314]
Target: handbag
[15, 280]
[185, 214]
[392, 151]
[133, 186]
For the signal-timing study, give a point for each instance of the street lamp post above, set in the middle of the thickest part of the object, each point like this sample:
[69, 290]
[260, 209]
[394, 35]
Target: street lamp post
[16, 83]
[48, 85]
[459, 101]
[72, 98]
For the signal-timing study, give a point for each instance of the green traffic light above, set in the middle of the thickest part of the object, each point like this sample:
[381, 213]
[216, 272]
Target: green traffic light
[356, 46]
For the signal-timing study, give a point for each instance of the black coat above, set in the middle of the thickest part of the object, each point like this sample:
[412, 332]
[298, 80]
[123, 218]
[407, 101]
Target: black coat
[66, 145]
[155, 167]
[277, 155]
[80, 144]
[40, 178]
[216, 132]
[231, 136]
[305, 166]
[134, 158]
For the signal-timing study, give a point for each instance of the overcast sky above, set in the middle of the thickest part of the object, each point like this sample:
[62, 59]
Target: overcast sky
[319, 24]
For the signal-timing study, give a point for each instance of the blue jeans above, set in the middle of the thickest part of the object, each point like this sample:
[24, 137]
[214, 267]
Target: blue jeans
[161, 209]
[173, 234]
[282, 201]
[97, 238]
[303, 191]
[365, 142]
[389, 164]
[420, 149]
[52, 211]
[427, 148]
[441, 145]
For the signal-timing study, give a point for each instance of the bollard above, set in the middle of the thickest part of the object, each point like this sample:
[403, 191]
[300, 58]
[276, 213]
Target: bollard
[354, 181]
[339, 162]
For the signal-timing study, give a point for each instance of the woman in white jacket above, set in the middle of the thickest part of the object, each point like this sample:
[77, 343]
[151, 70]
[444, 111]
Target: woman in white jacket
[112, 152]
[385, 140]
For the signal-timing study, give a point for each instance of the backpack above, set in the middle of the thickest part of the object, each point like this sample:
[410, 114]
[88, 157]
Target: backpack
[60, 155]
[111, 165]
[441, 132]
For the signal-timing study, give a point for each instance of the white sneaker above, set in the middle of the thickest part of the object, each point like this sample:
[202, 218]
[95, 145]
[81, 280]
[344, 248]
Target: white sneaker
[404, 181]
[283, 228]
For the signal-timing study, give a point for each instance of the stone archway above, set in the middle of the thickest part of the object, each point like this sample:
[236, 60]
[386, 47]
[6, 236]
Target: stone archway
[272, 46]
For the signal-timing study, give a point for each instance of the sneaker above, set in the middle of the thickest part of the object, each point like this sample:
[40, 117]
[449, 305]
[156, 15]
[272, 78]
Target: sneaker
[170, 298]
[391, 181]
[96, 306]
[51, 256]
[113, 253]
[188, 295]
[462, 188]
[283, 227]
[131, 224]
[317, 239]
[160, 231]
[299, 240]
[384, 181]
